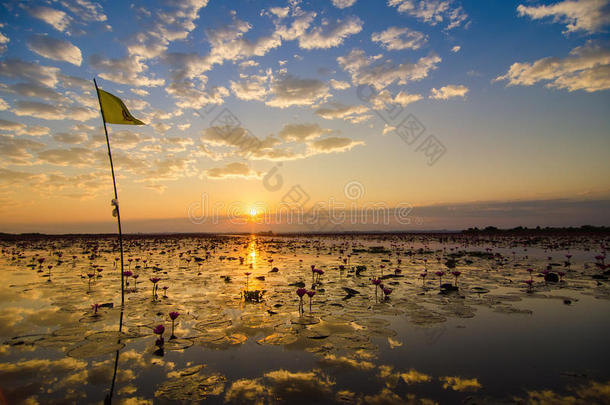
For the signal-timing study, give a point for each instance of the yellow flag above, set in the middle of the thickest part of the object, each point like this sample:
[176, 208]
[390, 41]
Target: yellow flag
[115, 111]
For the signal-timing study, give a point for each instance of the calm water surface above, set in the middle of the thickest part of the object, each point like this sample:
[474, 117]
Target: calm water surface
[494, 340]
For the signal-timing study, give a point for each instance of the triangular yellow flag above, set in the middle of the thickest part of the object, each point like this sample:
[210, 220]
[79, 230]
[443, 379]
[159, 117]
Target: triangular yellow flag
[115, 111]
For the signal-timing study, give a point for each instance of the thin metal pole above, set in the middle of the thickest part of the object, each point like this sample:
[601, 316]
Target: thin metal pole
[116, 197]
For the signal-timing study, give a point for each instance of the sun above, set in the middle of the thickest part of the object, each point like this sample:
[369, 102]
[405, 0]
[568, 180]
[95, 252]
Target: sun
[253, 212]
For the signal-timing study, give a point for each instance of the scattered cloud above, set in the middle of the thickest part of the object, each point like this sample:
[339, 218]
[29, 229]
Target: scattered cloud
[33, 72]
[128, 70]
[365, 70]
[74, 156]
[22, 129]
[353, 113]
[586, 68]
[3, 41]
[396, 39]
[233, 170]
[343, 3]
[384, 98]
[290, 91]
[173, 23]
[450, 91]
[333, 144]
[55, 49]
[18, 151]
[301, 132]
[35, 90]
[53, 112]
[432, 12]
[251, 87]
[330, 35]
[456, 49]
[339, 85]
[73, 138]
[280, 12]
[56, 18]
[578, 15]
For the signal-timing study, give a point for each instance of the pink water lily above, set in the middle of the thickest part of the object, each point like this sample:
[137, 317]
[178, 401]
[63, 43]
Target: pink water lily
[301, 292]
[173, 316]
[440, 275]
[155, 280]
[310, 294]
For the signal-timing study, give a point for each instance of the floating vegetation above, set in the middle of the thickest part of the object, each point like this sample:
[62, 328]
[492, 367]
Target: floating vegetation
[253, 295]
[191, 385]
[338, 304]
[94, 349]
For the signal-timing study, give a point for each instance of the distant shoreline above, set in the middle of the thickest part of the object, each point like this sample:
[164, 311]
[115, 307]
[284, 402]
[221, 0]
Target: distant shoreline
[490, 230]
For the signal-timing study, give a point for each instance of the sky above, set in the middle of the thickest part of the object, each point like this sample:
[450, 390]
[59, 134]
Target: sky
[305, 115]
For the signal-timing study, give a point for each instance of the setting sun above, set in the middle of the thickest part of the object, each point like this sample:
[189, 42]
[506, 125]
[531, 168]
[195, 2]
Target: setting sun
[253, 212]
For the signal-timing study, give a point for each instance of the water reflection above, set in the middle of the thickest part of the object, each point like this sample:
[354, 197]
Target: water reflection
[354, 350]
[108, 398]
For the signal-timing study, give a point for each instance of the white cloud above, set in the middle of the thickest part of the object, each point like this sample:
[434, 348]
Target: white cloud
[387, 129]
[85, 10]
[75, 82]
[53, 112]
[161, 127]
[75, 156]
[18, 69]
[301, 132]
[339, 85]
[363, 70]
[233, 170]
[456, 49]
[72, 138]
[353, 113]
[332, 144]
[22, 129]
[3, 41]
[4, 105]
[298, 27]
[450, 91]
[176, 143]
[586, 68]
[251, 87]
[289, 91]
[343, 3]
[578, 15]
[280, 12]
[174, 22]
[35, 90]
[395, 38]
[432, 11]
[18, 151]
[56, 18]
[140, 92]
[330, 35]
[125, 139]
[384, 98]
[55, 49]
[129, 70]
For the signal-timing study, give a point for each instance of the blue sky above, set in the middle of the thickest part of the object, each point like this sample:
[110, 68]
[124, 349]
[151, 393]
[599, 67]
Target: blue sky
[516, 93]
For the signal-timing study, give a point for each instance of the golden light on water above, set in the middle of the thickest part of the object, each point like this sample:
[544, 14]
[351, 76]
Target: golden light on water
[252, 252]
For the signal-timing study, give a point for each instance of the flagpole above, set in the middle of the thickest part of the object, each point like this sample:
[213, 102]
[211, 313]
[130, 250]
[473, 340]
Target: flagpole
[116, 197]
